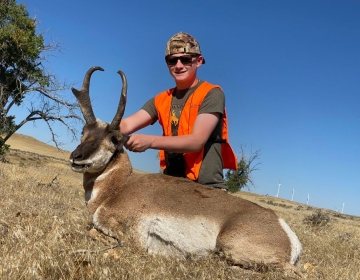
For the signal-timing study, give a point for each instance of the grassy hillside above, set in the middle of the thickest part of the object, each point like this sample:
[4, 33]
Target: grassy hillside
[29, 144]
[45, 232]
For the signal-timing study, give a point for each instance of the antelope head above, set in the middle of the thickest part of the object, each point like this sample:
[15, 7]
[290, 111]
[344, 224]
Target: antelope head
[100, 141]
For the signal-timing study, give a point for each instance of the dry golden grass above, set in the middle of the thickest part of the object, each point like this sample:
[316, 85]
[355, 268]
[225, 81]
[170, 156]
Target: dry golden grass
[29, 144]
[45, 234]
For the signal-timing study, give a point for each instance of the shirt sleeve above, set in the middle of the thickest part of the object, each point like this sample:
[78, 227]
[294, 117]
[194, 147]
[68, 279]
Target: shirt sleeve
[150, 108]
[214, 102]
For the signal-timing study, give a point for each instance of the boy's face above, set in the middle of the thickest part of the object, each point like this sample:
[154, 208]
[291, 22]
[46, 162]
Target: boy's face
[182, 67]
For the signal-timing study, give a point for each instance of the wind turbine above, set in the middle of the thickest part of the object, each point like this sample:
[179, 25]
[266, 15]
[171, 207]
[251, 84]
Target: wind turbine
[308, 198]
[277, 195]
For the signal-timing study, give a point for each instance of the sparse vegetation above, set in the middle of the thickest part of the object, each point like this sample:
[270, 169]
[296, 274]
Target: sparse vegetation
[45, 234]
[318, 219]
[276, 204]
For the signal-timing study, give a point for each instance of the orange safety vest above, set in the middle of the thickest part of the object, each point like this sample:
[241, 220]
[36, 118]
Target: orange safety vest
[189, 113]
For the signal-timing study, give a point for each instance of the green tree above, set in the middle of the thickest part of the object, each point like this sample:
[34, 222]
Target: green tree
[24, 79]
[241, 178]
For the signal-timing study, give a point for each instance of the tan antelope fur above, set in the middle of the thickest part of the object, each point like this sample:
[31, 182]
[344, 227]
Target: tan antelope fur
[168, 215]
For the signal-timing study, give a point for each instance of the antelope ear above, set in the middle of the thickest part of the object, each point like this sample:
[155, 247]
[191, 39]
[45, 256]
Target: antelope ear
[122, 141]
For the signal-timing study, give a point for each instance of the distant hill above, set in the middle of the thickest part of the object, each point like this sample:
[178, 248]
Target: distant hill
[32, 145]
[29, 144]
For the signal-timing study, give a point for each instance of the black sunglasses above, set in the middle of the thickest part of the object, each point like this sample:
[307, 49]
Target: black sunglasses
[185, 59]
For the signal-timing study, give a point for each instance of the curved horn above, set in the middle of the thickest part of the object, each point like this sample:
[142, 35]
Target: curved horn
[121, 108]
[83, 97]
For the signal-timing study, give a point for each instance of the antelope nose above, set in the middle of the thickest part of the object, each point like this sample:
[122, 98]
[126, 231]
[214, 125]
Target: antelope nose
[76, 155]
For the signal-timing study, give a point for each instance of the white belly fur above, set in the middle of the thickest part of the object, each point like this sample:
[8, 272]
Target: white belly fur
[172, 236]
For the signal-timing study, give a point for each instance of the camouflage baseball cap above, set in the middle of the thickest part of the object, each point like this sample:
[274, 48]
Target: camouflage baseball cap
[182, 43]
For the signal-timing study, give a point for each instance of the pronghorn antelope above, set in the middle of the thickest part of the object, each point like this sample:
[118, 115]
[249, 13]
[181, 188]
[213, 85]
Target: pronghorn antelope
[168, 215]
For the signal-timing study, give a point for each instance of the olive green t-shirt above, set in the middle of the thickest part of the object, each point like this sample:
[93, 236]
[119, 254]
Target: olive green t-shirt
[211, 171]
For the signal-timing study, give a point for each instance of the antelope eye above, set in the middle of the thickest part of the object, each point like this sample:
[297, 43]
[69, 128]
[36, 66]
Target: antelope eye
[114, 140]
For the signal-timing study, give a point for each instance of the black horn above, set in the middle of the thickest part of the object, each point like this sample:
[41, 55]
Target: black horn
[121, 108]
[83, 97]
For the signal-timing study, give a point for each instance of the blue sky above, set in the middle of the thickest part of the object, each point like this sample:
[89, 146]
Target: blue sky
[290, 71]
